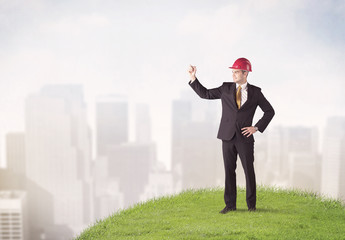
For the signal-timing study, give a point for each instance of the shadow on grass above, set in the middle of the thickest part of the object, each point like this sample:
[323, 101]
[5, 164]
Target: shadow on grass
[268, 210]
[258, 210]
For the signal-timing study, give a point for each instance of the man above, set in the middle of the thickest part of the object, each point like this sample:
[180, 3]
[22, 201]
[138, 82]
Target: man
[239, 102]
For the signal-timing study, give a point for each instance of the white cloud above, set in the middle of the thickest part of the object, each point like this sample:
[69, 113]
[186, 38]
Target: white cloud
[75, 25]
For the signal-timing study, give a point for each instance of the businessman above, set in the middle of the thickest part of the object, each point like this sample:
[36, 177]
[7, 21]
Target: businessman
[239, 102]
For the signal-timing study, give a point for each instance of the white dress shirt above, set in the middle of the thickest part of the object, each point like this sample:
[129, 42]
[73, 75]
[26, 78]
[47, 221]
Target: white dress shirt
[244, 92]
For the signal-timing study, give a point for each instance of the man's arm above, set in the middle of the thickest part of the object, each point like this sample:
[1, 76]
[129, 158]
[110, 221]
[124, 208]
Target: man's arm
[268, 110]
[203, 92]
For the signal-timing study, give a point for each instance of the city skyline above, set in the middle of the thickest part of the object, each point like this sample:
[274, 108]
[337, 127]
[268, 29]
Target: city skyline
[132, 136]
[132, 114]
[51, 160]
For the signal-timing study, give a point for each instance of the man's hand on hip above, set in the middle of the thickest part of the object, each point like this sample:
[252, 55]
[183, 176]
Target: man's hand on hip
[247, 131]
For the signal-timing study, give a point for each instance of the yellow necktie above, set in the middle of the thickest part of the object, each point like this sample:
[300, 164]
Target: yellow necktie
[238, 97]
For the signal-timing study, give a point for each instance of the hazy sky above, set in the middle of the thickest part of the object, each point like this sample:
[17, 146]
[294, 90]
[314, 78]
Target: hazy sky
[143, 48]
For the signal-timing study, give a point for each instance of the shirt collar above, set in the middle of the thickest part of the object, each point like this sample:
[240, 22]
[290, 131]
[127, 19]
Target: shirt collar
[243, 86]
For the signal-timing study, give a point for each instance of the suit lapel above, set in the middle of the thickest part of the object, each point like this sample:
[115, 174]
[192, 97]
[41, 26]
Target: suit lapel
[233, 94]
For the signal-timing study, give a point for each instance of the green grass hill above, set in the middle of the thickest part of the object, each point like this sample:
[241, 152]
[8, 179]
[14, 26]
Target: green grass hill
[194, 214]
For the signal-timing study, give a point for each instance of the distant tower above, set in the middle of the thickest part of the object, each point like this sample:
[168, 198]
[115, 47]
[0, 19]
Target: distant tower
[15, 152]
[130, 164]
[58, 151]
[143, 123]
[196, 151]
[112, 123]
[13, 215]
[303, 158]
[333, 162]
[292, 158]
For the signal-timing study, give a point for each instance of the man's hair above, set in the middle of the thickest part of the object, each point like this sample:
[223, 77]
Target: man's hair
[243, 71]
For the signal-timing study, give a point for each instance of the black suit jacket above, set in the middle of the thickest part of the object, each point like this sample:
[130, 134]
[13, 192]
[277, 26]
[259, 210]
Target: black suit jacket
[233, 119]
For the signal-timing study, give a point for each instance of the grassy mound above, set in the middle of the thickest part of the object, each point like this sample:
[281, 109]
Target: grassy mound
[194, 214]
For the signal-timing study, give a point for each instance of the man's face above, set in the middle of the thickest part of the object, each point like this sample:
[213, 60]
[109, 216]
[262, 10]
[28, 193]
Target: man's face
[238, 76]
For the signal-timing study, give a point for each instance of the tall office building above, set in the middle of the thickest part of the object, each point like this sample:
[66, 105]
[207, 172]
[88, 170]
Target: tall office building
[196, 152]
[276, 168]
[143, 123]
[130, 165]
[112, 122]
[13, 215]
[107, 196]
[15, 152]
[121, 168]
[292, 158]
[160, 183]
[58, 151]
[181, 115]
[303, 158]
[35, 196]
[333, 161]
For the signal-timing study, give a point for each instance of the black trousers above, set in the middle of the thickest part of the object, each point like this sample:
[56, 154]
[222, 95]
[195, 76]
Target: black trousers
[232, 148]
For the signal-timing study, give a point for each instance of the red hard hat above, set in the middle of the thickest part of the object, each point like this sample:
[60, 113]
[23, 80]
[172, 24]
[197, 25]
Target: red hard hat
[243, 64]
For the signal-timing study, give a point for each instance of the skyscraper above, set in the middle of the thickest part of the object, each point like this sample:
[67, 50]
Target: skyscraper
[196, 152]
[15, 152]
[130, 164]
[303, 158]
[160, 183]
[333, 161]
[143, 124]
[121, 168]
[13, 215]
[112, 122]
[292, 158]
[58, 150]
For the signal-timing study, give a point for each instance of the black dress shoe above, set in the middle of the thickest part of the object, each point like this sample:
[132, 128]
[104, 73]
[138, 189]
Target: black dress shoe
[227, 209]
[253, 209]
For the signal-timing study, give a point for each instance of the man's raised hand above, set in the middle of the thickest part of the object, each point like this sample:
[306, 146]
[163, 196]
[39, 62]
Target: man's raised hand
[192, 71]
